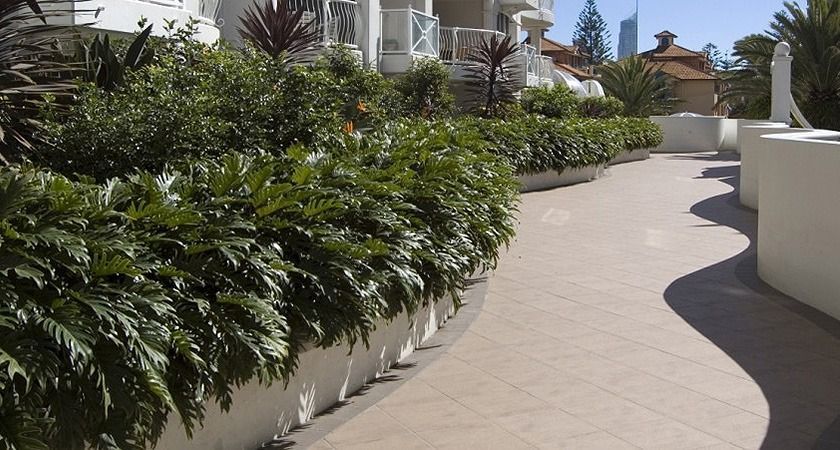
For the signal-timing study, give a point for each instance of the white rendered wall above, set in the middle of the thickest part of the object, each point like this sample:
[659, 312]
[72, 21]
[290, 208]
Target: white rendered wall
[799, 218]
[121, 16]
[753, 149]
[690, 134]
[323, 378]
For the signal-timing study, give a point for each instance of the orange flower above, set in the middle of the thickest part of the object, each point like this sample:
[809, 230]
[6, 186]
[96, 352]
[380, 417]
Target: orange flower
[361, 106]
[348, 127]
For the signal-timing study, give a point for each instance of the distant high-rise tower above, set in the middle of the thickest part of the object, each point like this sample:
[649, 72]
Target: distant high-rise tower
[628, 38]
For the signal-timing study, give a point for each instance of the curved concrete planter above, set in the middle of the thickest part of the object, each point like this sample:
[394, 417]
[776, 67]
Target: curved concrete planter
[630, 156]
[323, 378]
[799, 217]
[549, 180]
[752, 149]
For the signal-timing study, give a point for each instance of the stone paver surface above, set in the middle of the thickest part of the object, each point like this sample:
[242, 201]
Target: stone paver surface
[627, 314]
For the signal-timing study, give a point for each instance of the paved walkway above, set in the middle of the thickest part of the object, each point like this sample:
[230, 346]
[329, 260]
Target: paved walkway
[627, 315]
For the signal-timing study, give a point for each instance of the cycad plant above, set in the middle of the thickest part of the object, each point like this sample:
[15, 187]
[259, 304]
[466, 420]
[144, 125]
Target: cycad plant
[640, 86]
[814, 36]
[277, 29]
[30, 71]
[493, 77]
[102, 65]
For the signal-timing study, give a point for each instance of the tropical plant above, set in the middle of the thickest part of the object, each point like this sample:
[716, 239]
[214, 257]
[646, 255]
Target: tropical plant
[222, 100]
[640, 86]
[132, 305]
[277, 29]
[556, 101]
[30, 74]
[814, 36]
[493, 78]
[102, 66]
[425, 89]
[591, 34]
[600, 107]
[534, 144]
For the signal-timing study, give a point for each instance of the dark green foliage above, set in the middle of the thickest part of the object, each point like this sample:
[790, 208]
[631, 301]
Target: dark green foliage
[557, 101]
[30, 75]
[278, 30]
[535, 144]
[642, 89]
[122, 302]
[201, 103]
[813, 33]
[592, 35]
[103, 67]
[493, 77]
[425, 89]
[600, 107]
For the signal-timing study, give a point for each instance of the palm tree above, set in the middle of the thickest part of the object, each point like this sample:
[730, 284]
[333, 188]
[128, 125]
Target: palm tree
[492, 78]
[643, 89]
[814, 36]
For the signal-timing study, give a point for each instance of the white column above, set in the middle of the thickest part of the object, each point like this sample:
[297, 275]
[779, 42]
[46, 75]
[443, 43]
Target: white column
[370, 32]
[535, 36]
[781, 101]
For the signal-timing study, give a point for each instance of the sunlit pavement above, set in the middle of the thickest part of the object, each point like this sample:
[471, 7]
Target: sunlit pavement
[627, 314]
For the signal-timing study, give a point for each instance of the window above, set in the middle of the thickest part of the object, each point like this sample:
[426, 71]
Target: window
[664, 42]
[502, 23]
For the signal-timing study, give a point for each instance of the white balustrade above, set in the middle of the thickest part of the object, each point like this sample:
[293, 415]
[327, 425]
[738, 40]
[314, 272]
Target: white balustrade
[456, 44]
[339, 20]
[409, 32]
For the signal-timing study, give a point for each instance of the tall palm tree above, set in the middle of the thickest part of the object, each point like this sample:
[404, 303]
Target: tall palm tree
[643, 89]
[814, 36]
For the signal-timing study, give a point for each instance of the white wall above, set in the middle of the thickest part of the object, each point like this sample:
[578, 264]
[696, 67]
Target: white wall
[690, 134]
[121, 16]
[799, 217]
[323, 378]
[753, 149]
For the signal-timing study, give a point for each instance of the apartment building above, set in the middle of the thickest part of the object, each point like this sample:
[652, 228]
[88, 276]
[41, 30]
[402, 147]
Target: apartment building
[387, 34]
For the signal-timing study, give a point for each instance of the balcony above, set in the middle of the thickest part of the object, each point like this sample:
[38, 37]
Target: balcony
[340, 20]
[121, 16]
[457, 43]
[516, 6]
[539, 69]
[407, 34]
[542, 17]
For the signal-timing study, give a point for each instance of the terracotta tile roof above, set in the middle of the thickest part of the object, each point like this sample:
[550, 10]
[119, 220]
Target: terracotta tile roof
[681, 71]
[577, 73]
[665, 33]
[551, 45]
[672, 51]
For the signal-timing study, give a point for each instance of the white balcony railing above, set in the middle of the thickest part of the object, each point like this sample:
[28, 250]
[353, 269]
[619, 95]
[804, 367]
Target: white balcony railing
[340, 20]
[529, 52]
[457, 43]
[545, 67]
[209, 10]
[547, 5]
[409, 32]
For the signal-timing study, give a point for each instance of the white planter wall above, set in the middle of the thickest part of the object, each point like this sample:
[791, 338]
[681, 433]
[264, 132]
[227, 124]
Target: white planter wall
[630, 156]
[752, 149]
[552, 179]
[323, 378]
[799, 217]
[691, 134]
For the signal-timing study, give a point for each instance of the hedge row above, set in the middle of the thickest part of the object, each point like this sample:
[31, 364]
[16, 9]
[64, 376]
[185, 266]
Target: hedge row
[535, 144]
[125, 301]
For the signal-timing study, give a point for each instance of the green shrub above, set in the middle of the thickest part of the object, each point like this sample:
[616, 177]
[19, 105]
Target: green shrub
[425, 89]
[124, 302]
[202, 102]
[557, 102]
[600, 107]
[535, 144]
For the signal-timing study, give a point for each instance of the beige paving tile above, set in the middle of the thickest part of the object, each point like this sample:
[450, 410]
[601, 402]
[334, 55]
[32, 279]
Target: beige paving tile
[542, 428]
[370, 425]
[664, 434]
[485, 437]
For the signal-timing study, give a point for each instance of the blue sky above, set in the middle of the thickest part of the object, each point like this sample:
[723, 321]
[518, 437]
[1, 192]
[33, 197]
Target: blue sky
[696, 22]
